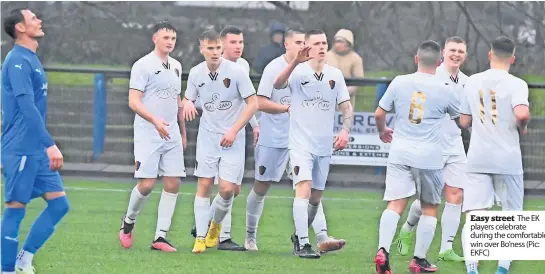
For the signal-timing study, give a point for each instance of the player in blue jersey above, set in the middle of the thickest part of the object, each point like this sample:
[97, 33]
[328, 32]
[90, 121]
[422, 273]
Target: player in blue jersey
[30, 157]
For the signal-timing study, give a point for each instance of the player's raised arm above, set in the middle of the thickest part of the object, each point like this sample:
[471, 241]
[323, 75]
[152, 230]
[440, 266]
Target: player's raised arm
[264, 93]
[189, 111]
[281, 80]
[521, 107]
[268, 106]
[247, 91]
[385, 104]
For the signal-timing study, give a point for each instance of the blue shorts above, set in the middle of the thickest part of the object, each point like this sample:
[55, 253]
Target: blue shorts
[28, 177]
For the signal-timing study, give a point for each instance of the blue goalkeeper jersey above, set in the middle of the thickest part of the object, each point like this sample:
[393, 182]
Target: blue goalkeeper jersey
[24, 86]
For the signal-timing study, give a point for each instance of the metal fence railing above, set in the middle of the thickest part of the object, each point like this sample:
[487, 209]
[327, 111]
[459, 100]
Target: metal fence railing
[103, 76]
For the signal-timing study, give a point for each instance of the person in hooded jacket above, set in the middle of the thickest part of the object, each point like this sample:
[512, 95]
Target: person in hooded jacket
[343, 57]
[272, 50]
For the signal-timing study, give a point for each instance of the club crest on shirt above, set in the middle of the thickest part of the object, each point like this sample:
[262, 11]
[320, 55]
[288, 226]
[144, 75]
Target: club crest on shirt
[177, 72]
[332, 84]
[227, 82]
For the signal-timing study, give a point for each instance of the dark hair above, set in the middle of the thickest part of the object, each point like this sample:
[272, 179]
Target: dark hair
[313, 32]
[429, 52]
[163, 25]
[210, 35]
[503, 47]
[292, 31]
[455, 39]
[430, 45]
[230, 29]
[15, 17]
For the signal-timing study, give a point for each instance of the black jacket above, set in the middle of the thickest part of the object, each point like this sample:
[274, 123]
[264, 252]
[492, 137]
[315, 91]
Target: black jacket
[266, 54]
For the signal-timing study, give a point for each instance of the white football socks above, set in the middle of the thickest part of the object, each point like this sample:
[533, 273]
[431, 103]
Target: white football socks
[201, 208]
[300, 218]
[450, 222]
[387, 229]
[424, 235]
[165, 211]
[254, 209]
[414, 216]
[136, 203]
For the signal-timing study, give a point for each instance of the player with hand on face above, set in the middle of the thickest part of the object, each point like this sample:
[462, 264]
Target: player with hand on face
[222, 87]
[271, 152]
[495, 105]
[30, 158]
[159, 134]
[421, 102]
[454, 161]
[315, 89]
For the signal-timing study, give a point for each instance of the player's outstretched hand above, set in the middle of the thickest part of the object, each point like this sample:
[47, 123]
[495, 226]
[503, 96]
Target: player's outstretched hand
[56, 160]
[386, 135]
[161, 127]
[341, 140]
[302, 55]
[228, 138]
[189, 111]
[256, 135]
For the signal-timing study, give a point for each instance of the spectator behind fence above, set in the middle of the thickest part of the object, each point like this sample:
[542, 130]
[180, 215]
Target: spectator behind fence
[343, 57]
[272, 50]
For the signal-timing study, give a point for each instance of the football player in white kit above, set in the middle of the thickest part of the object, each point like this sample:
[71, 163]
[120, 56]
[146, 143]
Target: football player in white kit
[233, 45]
[315, 90]
[495, 105]
[454, 161]
[154, 95]
[271, 151]
[421, 102]
[222, 86]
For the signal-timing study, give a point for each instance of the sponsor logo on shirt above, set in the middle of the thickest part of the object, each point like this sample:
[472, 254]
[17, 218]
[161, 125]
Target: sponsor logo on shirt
[317, 102]
[217, 104]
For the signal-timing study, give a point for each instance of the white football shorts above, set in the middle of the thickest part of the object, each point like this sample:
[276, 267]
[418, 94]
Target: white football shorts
[212, 159]
[482, 189]
[404, 181]
[270, 163]
[153, 159]
[454, 170]
[308, 167]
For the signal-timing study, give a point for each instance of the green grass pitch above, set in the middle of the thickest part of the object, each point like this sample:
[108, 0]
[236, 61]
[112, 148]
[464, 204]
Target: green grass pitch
[86, 240]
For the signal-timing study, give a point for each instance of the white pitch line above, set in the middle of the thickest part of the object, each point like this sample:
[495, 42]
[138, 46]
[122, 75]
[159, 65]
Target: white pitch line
[241, 195]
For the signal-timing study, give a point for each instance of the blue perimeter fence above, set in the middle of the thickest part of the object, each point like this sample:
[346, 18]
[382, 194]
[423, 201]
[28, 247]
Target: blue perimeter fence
[102, 76]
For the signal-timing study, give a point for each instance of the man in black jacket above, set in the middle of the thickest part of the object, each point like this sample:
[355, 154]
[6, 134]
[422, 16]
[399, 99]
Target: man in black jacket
[272, 50]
